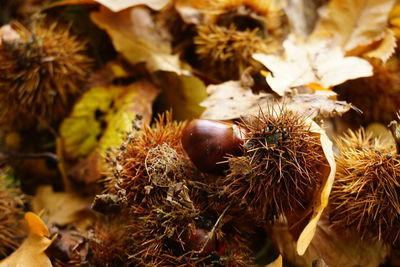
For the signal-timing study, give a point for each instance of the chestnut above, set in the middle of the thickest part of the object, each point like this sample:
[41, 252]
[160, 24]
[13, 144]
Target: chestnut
[197, 242]
[208, 142]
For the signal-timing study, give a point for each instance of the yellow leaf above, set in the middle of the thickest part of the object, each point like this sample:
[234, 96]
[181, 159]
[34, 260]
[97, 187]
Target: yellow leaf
[31, 253]
[135, 35]
[103, 115]
[311, 61]
[395, 13]
[36, 225]
[317, 87]
[181, 93]
[394, 20]
[276, 263]
[322, 201]
[355, 23]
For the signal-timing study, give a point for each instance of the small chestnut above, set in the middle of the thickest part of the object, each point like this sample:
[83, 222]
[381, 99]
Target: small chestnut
[197, 242]
[208, 142]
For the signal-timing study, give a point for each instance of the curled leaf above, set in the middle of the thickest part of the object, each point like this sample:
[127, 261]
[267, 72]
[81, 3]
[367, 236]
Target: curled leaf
[32, 251]
[322, 200]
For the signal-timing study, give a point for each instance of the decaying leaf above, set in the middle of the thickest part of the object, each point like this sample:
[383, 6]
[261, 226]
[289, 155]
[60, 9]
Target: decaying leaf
[343, 249]
[307, 62]
[138, 39]
[103, 115]
[32, 251]
[62, 208]
[321, 201]
[230, 100]
[354, 23]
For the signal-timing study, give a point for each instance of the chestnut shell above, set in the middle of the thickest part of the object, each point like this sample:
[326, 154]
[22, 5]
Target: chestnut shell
[208, 142]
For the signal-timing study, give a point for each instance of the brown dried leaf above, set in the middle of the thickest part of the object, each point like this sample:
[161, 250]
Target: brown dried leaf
[343, 248]
[230, 100]
[135, 35]
[354, 23]
[321, 202]
[62, 208]
[315, 61]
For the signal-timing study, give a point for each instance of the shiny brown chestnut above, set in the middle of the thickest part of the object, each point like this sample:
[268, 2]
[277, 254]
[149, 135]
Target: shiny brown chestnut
[199, 241]
[208, 142]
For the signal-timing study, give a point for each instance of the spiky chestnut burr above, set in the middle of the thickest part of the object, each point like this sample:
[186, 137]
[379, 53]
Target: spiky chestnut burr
[172, 236]
[165, 204]
[227, 51]
[233, 30]
[110, 243]
[149, 161]
[268, 15]
[280, 172]
[10, 212]
[365, 194]
[43, 69]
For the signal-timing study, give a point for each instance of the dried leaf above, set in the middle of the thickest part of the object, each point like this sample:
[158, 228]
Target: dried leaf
[337, 248]
[118, 5]
[103, 116]
[322, 201]
[135, 35]
[89, 169]
[354, 23]
[32, 251]
[386, 47]
[276, 263]
[181, 93]
[308, 62]
[230, 100]
[394, 20]
[62, 208]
